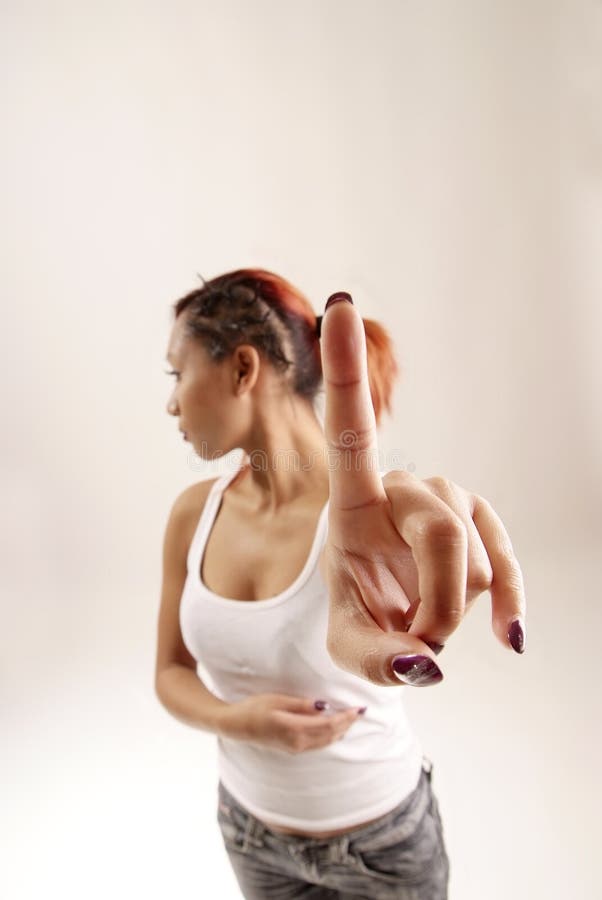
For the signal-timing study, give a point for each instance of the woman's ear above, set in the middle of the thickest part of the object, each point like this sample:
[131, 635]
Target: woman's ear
[246, 365]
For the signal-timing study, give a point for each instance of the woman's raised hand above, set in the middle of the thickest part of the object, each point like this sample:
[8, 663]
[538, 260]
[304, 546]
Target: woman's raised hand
[404, 558]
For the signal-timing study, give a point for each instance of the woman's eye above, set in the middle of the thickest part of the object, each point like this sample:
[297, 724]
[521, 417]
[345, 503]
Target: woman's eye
[172, 373]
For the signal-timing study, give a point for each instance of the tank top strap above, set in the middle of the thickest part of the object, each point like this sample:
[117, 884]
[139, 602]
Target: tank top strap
[208, 514]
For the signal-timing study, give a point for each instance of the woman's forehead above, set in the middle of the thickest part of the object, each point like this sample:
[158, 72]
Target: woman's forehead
[176, 345]
[182, 349]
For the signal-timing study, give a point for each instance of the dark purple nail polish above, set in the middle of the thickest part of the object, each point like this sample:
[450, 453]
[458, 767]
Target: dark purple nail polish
[436, 648]
[334, 298]
[516, 636]
[321, 704]
[362, 710]
[416, 670]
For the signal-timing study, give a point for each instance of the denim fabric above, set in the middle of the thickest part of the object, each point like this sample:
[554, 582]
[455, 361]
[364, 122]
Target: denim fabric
[400, 855]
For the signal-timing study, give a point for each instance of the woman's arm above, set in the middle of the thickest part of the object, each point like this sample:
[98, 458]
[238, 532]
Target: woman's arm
[177, 684]
[184, 695]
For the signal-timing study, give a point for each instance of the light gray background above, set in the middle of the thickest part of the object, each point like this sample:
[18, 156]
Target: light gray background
[441, 161]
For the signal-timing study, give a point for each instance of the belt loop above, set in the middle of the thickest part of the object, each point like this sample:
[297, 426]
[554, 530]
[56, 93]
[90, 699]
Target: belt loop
[247, 836]
[343, 847]
[252, 834]
[338, 848]
[428, 768]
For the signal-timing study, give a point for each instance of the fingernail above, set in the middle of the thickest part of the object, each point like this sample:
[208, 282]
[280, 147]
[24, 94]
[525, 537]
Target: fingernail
[322, 704]
[334, 298]
[436, 648]
[516, 636]
[362, 710]
[417, 670]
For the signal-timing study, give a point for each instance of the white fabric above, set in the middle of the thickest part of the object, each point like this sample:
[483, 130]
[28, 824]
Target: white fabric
[279, 645]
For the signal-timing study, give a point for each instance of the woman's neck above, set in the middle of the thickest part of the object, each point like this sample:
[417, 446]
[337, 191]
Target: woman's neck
[285, 459]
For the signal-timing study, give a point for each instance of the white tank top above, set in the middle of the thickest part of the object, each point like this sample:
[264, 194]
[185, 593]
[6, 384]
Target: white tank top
[278, 645]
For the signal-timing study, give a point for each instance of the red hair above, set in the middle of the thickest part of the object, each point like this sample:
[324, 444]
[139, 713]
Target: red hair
[263, 309]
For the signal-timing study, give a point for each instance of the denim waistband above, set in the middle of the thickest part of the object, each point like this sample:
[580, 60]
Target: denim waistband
[255, 830]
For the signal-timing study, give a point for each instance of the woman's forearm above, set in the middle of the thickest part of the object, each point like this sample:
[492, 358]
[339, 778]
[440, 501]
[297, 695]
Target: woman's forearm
[184, 695]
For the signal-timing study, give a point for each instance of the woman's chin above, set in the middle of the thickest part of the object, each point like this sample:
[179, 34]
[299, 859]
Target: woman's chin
[201, 449]
[204, 451]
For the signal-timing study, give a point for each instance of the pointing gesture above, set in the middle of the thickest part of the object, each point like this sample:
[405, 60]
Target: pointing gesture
[405, 558]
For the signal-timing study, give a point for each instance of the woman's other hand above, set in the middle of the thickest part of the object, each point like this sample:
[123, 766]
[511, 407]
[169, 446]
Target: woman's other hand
[285, 722]
[405, 558]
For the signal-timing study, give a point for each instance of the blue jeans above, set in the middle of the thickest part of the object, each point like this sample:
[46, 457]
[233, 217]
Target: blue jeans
[400, 855]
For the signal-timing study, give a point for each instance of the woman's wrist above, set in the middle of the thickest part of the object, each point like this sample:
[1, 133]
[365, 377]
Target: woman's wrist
[226, 721]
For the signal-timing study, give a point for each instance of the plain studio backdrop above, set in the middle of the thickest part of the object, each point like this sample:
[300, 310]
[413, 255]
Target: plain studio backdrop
[441, 161]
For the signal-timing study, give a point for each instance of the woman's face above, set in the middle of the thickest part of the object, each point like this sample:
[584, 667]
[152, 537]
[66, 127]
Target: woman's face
[201, 399]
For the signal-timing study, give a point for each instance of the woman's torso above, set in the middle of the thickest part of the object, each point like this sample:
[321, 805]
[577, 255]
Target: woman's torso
[269, 557]
[250, 557]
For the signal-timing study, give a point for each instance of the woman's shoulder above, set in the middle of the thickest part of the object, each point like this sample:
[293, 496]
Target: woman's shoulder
[192, 499]
[184, 516]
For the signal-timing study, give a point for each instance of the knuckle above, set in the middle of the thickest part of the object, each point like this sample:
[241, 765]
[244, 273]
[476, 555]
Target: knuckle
[350, 439]
[398, 476]
[507, 561]
[448, 529]
[515, 581]
[439, 484]
[372, 667]
[450, 616]
[483, 502]
[506, 554]
[480, 578]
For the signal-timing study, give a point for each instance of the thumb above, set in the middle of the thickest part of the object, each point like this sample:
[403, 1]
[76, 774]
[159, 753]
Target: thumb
[387, 658]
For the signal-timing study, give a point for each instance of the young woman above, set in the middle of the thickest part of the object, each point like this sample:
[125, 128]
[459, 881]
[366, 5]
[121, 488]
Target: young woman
[308, 585]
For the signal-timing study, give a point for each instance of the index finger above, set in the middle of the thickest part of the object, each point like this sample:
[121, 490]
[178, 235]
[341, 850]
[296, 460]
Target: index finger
[349, 420]
[320, 723]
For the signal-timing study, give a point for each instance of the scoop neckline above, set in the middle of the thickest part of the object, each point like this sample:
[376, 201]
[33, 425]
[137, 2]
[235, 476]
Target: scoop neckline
[267, 601]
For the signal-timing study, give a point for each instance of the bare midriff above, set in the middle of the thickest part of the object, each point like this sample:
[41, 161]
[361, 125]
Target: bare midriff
[279, 829]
